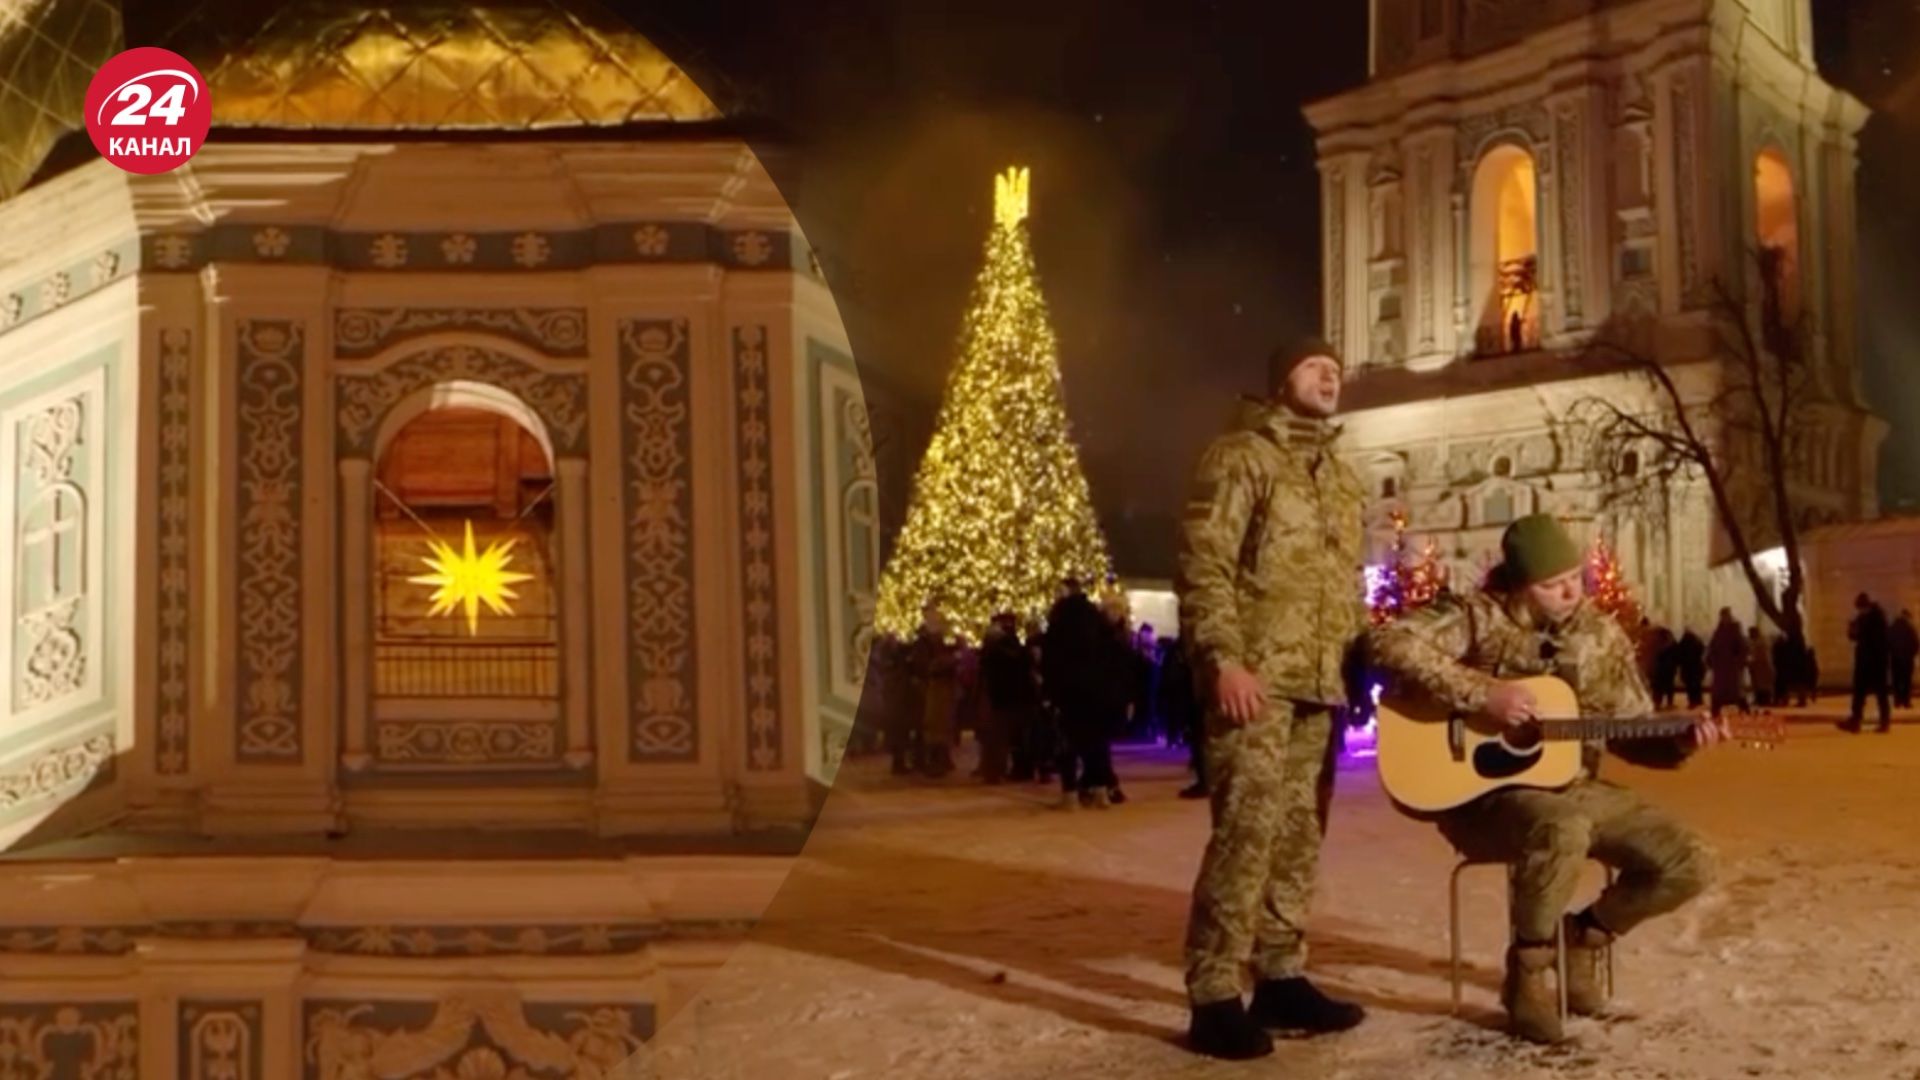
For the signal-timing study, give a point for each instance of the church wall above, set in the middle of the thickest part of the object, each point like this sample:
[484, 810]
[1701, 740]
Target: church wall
[844, 549]
[271, 354]
[1643, 124]
[853, 526]
[288, 966]
[69, 416]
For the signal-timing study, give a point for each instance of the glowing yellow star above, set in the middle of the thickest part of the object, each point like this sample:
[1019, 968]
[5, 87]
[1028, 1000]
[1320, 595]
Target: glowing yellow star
[466, 579]
[1010, 196]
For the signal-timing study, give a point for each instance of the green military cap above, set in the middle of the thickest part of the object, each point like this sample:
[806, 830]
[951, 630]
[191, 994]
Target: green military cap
[1537, 548]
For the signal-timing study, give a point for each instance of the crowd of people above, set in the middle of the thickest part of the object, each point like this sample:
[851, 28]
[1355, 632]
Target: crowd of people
[1746, 668]
[1044, 701]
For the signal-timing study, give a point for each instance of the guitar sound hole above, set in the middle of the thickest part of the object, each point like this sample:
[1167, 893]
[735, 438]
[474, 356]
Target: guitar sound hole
[1496, 762]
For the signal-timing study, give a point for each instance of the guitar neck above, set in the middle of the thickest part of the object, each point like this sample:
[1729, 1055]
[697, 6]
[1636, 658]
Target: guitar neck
[1588, 728]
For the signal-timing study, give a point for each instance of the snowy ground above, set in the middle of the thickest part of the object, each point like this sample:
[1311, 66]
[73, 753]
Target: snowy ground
[953, 930]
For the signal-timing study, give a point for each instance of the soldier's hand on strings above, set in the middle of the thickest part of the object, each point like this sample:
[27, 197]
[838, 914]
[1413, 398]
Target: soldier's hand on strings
[1511, 705]
[1707, 731]
[1241, 696]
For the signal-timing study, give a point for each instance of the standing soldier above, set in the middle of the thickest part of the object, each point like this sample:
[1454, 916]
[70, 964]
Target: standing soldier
[1271, 602]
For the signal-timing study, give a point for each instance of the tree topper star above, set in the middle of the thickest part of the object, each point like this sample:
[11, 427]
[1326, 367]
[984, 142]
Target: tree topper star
[466, 579]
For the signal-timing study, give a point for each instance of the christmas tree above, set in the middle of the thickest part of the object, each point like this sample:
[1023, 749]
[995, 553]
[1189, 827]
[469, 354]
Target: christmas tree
[1608, 587]
[1404, 584]
[1000, 512]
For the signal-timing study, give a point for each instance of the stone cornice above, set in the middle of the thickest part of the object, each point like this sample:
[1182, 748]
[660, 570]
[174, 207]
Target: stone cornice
[1477, 83]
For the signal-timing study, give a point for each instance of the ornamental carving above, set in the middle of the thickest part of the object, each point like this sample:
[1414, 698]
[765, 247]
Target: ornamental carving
[268, 513]
[1424, 227]
[176, 403]
[657, 509]
[220, 1040]
[1685, 181]
[1336, 245]
[860, 537]
[758, 538]
[362, 332]
[53, 531]
[1573, 230]
[70, 1040]
[57, 771]
[362, 401]
[467, 742]
[596, 939]
[470, 1036]
[1530, 122]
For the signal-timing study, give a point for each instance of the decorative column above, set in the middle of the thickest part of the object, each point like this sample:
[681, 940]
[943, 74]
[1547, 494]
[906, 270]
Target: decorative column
[356, 631]
[576, 599]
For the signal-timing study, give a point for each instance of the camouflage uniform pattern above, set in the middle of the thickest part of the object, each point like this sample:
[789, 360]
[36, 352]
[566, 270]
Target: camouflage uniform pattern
[1455, 650]
[1270, 579]
[1256, 879]
[1271, 570]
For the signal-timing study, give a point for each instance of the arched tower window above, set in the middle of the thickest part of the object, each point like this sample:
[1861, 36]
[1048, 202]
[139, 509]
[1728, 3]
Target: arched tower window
[1777, 232]
[1506, 252]
[465, 467]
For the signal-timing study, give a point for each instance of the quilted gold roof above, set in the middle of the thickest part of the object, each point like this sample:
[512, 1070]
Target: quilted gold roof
[323, 65]
[49, 50]
[448, 66]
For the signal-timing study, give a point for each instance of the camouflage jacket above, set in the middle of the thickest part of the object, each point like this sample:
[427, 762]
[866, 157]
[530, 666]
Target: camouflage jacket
[1456, 648]
[1270, 559]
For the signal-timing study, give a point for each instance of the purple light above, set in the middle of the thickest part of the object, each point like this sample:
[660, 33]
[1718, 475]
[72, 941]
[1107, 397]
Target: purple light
[1364, 741]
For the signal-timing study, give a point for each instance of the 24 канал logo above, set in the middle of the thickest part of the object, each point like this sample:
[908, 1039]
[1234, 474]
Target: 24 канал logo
[148, 110]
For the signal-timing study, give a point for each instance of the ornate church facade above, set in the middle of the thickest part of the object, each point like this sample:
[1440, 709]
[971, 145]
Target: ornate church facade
[499, 269]
[1514, 179]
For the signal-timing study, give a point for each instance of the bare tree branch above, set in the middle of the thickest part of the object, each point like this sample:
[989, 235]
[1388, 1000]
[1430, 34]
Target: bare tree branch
[1745, 436]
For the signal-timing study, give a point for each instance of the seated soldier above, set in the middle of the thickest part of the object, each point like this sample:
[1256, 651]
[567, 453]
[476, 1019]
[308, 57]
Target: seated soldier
[1532, 619]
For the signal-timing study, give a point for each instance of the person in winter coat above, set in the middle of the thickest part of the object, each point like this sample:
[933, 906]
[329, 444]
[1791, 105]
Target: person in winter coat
[1691, 657]
[1727, 658]
[904, 704]
[1787, 682]
[1666, 667]
[1078, 677]
[936, 662]
[1760, 668]
[1868, 632]
[1006, 668]
[1902, 646]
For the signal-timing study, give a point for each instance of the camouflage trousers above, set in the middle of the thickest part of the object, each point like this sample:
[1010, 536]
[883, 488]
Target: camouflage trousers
[1547, 837]
[1256, 879]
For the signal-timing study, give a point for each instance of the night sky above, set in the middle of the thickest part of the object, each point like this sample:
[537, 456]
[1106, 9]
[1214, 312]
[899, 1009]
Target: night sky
[1176, 214]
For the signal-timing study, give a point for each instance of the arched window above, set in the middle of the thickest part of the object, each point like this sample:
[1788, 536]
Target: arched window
[1777, 231]
[1503, 466]
[467, 471]
[1630, 464]
[1389, 487]
[1506, 252]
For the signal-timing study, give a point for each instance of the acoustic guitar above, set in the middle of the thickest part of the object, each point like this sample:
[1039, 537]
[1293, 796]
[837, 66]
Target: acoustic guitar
[1432, 759]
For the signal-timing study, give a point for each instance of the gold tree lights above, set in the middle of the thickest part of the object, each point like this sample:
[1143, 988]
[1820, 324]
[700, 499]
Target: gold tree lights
[1000, 512]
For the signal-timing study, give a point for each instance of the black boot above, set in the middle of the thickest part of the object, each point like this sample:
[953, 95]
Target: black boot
[1222, 1029]
[1194, 790]
[1297, 1005]
[1850, 725]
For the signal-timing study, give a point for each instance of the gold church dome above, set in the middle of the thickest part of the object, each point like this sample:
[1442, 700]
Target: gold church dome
[432, 65]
